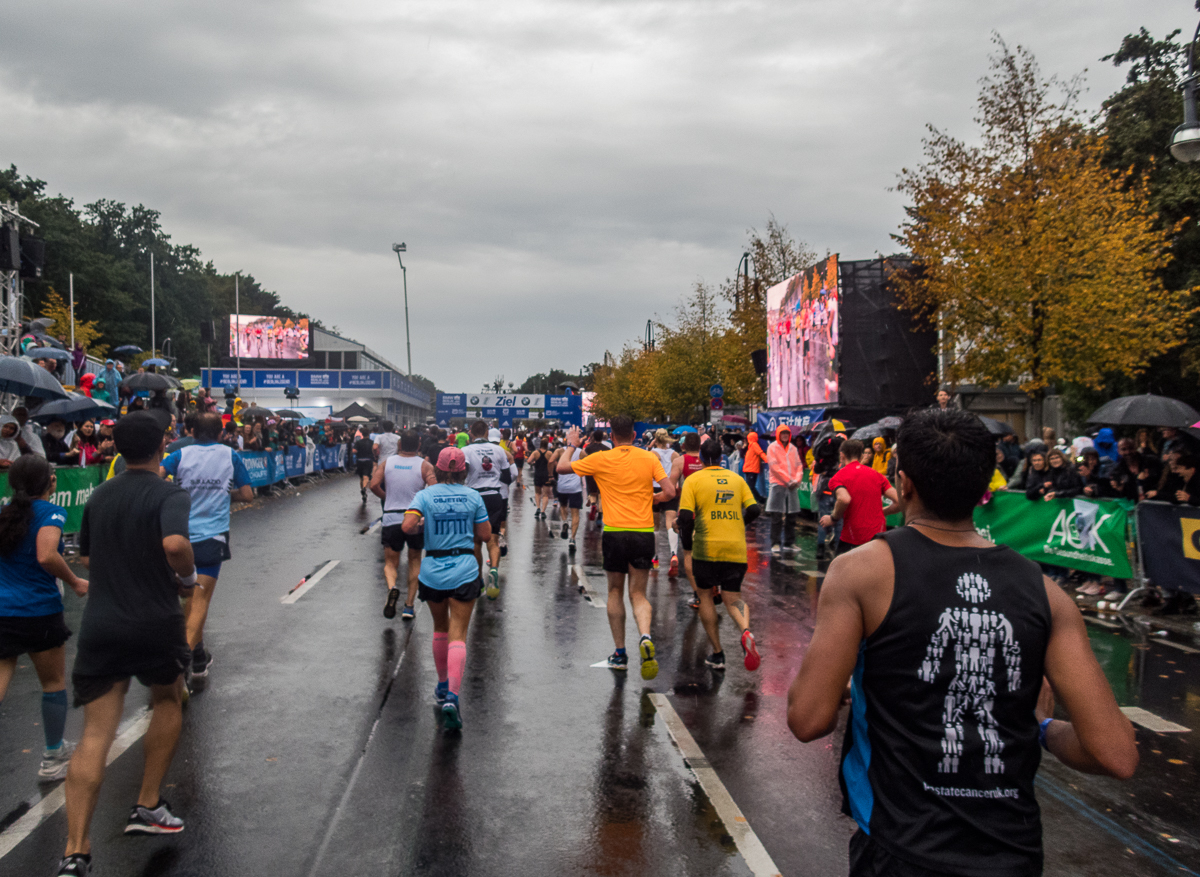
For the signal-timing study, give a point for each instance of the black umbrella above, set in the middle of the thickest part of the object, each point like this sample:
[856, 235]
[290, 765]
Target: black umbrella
[77, 407]
[253, 413]
[36, 353]
[1145, 410]
[868, 432]
[996, 427]
[127, 348]
[288, 414]
[23, 378]
[147, 381]
[891, 422]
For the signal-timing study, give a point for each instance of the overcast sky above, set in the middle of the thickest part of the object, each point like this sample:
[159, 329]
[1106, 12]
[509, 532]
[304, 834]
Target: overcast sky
[561, 171]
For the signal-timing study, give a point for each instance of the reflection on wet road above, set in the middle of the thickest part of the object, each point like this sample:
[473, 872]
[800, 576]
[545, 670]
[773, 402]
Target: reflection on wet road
[317, 749]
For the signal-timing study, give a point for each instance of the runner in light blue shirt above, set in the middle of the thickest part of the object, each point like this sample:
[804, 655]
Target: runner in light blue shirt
[212, 474]
[454, 519]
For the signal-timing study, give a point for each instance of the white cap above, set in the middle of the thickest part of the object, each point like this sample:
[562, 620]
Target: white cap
[493, 435]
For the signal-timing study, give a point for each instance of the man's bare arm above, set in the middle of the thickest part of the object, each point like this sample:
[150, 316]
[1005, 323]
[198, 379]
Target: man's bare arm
[893, 504]
[816, 692]
[1097, 738]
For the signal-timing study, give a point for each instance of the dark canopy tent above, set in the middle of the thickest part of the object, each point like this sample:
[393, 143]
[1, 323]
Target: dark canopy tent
[356, 410]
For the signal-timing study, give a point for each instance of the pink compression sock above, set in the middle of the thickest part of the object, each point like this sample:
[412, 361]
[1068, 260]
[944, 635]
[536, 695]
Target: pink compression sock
[456, 659]
[439, 654]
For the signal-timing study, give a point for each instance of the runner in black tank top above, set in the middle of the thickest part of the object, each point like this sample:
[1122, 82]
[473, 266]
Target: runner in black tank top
[940, 751]
[946, 638]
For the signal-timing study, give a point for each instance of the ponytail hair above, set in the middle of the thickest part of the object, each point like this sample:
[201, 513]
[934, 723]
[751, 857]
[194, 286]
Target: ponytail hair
[29, 479]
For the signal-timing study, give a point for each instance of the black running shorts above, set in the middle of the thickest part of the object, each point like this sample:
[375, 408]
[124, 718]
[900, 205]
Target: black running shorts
[497, 510]
[20, 635]
[570, 500]
[718, 574]
[364, 468]
[623, 549]
[539, 483]
[464, 593]
[90, 688]
[520, 461]
[395, 538]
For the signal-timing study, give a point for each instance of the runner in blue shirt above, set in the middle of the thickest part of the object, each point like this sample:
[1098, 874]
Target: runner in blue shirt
[455, 520]
[31, 609]
[212, 474]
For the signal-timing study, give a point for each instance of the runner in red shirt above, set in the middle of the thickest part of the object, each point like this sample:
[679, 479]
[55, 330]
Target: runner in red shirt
[857, 490]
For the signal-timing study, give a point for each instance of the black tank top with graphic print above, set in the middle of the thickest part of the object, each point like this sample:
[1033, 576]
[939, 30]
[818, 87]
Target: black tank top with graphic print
[941, 747]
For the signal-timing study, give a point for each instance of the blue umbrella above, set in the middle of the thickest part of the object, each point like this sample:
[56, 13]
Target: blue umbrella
[680, 430]
[155, 361]
[22, 378]
[36, 353]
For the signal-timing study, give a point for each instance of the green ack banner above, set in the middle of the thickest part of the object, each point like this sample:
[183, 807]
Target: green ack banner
[1079, 533]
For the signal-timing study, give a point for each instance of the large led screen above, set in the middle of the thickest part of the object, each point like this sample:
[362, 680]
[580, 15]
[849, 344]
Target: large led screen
[253, 337]
[802, 337]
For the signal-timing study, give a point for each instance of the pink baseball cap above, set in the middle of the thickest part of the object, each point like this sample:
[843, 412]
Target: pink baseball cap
[452, 460]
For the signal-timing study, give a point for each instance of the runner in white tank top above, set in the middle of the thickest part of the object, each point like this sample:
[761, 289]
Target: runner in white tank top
[570, 495]
[668, 510]
[396, 480]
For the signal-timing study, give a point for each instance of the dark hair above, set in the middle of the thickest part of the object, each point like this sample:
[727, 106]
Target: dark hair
[409, 440]
[949, 456]
[138, 437]
[93, 439]
[852, 449]
[189, 422]
[711, 452]
[386, 425]
[206, 427]
[691, 442]
[622, 427]
[1185, 460]
[598, 435]
[28, 478]
[444, 477]
[479, 427]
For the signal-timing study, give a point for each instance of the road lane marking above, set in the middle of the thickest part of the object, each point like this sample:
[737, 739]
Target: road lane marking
[49, 805]
[1102, 622]
[307, 584]
[1123, 835]
[1151, 722]
[585, 588]
[753, 852]
[1180, 646]
[362, 757]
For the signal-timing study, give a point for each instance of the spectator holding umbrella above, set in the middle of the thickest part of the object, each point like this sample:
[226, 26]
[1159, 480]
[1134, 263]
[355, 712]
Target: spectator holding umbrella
[1181, 486]
[1134, 473]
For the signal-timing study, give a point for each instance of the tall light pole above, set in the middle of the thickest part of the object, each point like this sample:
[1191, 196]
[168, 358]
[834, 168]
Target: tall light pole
[1185, 140]
[745, 260]
[398, 249]
[152, 334]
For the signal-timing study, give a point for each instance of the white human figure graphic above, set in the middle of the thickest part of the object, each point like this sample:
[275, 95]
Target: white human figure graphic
[978, 635]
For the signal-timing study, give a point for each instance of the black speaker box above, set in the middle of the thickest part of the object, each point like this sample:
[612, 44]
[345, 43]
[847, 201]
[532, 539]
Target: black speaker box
[10, 249]
[33, 257]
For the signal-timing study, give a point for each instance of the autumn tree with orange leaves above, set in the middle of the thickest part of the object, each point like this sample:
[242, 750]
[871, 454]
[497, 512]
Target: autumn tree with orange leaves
[1038, 265]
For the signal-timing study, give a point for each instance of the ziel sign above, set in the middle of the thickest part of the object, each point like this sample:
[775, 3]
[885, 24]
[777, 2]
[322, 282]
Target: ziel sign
[1079, 533]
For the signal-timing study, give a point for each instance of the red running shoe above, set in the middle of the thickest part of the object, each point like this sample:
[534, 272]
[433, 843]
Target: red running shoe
[673, 570]
[753, 659]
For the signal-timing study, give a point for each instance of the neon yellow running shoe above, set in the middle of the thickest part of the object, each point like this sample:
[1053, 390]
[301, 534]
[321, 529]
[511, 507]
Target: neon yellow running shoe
[493, 584]
[649, 665]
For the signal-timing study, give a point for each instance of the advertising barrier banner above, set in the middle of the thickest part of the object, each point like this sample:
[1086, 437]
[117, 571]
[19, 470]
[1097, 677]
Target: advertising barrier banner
[1170, 537]
[258, 464]
[75, 486]
[768, 420]
[295, 461]
[1079, 533]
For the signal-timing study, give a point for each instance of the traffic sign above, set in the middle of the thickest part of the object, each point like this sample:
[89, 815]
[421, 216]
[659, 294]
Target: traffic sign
[716, 391]
[716, 404]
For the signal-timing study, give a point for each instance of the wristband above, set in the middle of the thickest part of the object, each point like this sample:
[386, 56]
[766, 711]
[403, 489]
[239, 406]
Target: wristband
[1042, 726]
[189, 580]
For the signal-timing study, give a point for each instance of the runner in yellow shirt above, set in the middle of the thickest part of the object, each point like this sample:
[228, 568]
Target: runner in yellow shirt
[714, 510]
[626, 476]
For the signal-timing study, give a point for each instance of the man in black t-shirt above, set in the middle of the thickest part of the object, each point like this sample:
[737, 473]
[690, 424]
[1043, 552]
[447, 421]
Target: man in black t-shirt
[134, 541]
[364, 462]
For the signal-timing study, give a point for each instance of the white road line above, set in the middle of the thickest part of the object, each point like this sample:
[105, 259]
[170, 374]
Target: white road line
[376, 528]
[757, 858]
[585, 588]
[49, 805]
[1102, 622]
[1151, 722]
[1180, 646]
[308, 585]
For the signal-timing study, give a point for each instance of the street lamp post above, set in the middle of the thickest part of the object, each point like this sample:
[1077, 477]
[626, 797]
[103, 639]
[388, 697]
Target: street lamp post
[745, 260]
[398, 249]
[1185, 140]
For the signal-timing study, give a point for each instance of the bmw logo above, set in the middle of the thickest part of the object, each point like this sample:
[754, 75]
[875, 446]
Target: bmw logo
[474, 400]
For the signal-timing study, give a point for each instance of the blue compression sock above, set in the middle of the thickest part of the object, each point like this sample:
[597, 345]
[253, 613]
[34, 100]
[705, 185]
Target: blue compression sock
[620, 651]
[54, 717]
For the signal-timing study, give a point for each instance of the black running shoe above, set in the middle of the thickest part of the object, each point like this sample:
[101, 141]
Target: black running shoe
[75, 865]
[389, 608]
[566, 529]
[156, 820]
[201, 660]
[716, 660]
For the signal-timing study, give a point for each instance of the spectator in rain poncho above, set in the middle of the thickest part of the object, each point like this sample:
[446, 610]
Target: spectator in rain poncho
[1105, 444]
[9, 449]
[100, 390]
[85, 385]
[112, 379]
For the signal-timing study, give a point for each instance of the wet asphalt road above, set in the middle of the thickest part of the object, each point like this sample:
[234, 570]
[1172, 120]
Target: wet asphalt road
[316, 749]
